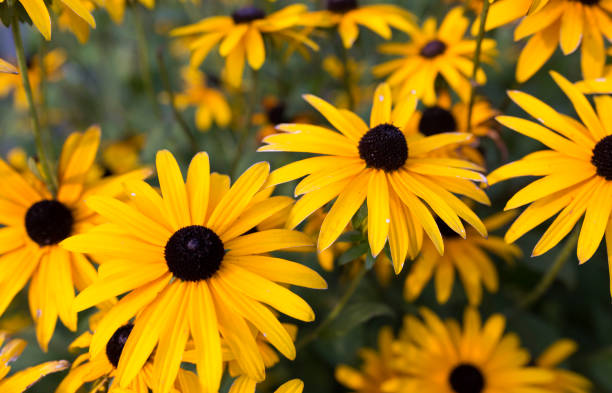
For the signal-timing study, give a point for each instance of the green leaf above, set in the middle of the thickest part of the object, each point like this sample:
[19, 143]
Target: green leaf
[353, 253]
[356, 314]
[351, 236]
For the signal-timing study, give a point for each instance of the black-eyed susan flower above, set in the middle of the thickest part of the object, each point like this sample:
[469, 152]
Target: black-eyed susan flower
[240, 36]
[123, 155]
[435, 356]
[575, 171]
[210, 103]
[435, 52]
[116, 8]
[468, 257]
[7, 68]
[376, 369]
[569, 24]
[51, 66]
[379, 164]
[347, 15]
[246, 385]
[20, 381]
[35, 222]
[190, 269]
[75, 16]
[565, 381]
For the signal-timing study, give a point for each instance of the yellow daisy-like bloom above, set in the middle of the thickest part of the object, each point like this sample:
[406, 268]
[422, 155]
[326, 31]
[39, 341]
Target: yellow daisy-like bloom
[565, 381]
[347, 15]
[116, 8]
[570, 24]
[189, 269]
[435, 51]
[240, 36]
[35, 222]
[7, 68]
[77, 20]
[435, 356]
[383, 165]
[576, 171]
[376, 369]
[468, 257]
[122, 156]
[209, 102]
[52, 63]
[22, 380]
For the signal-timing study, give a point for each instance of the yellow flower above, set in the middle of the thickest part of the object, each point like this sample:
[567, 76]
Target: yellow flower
[209, 102]
[435, 356]
[35, 223]
[565, 381]
[380, 164]
[116, 8]
[122, 156]
[377, 367]
[52, 63]
[379, 18]
[22, 380]
[468, 257]
[569, 23]
[435, 51]
[576, 171]
[75, 16]
[502, 12]
[189, 269]
[241, 35]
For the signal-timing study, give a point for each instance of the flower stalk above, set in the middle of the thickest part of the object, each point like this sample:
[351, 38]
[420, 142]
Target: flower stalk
[477, 61]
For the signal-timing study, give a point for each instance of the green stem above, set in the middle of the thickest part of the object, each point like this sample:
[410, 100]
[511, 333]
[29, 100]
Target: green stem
[548, 278]
[346, 77]
[251, 101]
[477, 53]
[143, 54]
[177, 114]
[47, 173]
[331, 317]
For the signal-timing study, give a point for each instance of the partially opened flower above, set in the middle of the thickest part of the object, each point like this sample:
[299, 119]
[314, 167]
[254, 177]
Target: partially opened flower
[575, 170]
[382, 166]
[190, 267]
[435, 356]
[435, 52]
[468, 257]
[22, 380]
[347, 15]
[570, 24]
[240, 36]
[36, 221]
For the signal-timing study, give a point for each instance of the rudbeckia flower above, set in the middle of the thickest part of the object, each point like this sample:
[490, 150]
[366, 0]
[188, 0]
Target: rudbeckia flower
[468, 257]
[75, 16]
[434, 356]
[123, 155]
[35, 222]
[379, 164]
[564, 380]
[435, 52]
[22, 380]
[191, 268]
[376, 369]
[240, 36]
[209, 102]
[570, 24]
[575, 170]
[347, 15]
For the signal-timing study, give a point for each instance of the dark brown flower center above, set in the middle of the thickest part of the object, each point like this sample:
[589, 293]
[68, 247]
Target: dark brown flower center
[602, 157]
[466, 378]
[194, 253]
[48, 222]
[433, 48]
[384, 147]
[436, 120]
[115, 345]
[588, 2]
[341, 5]
[248, 14]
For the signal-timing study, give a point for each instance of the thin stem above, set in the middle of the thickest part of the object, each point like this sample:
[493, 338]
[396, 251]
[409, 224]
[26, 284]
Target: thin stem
[251, 101]
[477, 53]
[47, 173]
[143, 54]
[548, 278]
[177, 114]
[335, 312]
[346, 77]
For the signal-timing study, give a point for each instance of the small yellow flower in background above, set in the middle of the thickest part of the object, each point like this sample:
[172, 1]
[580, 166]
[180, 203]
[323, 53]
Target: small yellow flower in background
[359, 94]
[18, 159]
[52, 63]
[347, 15]
[434, 356]
[77, 20]
[569, 24]
[245, 385]
[576, 171]
[7, 68]
[565, 381]
[35, 222]
[435, 52]
[116, 8]
[467, 256]
[22, 380]
[376, 369]
[382, 165]
[122, 156]
[191, 268]
[209, 102]
[240, 36]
